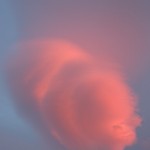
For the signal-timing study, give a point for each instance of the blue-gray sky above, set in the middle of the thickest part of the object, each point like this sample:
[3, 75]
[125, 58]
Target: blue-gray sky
[121, 28]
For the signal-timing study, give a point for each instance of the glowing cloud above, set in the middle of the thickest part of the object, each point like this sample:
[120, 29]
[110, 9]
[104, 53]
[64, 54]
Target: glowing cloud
[84, 103]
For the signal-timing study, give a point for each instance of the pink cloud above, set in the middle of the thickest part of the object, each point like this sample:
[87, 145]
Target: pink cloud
[84, 103]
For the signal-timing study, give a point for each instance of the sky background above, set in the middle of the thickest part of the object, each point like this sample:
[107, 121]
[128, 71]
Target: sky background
[120, 28]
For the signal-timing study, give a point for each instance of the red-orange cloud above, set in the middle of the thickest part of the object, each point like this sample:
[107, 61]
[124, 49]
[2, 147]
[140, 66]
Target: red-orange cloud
[85, 103]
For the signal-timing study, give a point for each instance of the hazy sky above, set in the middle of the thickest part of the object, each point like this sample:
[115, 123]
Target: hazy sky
[120, 29]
